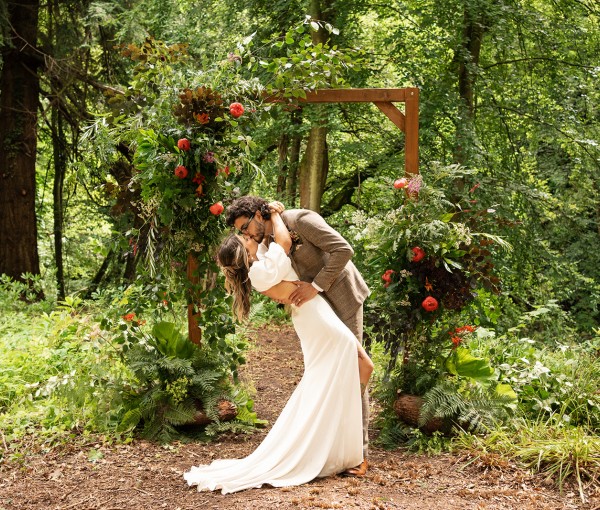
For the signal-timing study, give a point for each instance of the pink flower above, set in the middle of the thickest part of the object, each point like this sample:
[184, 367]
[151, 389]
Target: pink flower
[236, 109]
[414, 185]
[183, 144]
[430, 304]
[209, 157]
[181, 172]
[400, 183]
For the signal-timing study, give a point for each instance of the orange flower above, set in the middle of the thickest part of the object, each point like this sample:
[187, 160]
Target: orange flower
[428, 285]
[462, 329]
[129, 316]
[203, 118]
[456, 340]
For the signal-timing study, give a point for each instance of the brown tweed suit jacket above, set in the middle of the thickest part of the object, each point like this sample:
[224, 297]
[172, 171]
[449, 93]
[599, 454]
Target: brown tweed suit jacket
[324, 257]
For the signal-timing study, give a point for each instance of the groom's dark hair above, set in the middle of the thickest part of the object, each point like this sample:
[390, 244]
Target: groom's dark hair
[247, 206]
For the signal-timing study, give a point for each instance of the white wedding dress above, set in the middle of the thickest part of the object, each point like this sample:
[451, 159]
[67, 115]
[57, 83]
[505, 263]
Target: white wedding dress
[319, 432]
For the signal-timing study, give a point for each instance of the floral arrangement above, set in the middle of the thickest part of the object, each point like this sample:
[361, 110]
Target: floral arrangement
[185, 171]
[434, 265]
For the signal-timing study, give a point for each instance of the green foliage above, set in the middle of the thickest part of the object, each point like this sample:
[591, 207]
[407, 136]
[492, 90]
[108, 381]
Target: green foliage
[59, 377]
[557, 451]
[474, 408]
[553, 371]
[174, 380]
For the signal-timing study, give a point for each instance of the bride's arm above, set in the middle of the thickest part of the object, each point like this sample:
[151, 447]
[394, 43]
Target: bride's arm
[281, 234]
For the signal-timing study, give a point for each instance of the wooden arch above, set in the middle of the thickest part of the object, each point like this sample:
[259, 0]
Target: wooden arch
[384, 99]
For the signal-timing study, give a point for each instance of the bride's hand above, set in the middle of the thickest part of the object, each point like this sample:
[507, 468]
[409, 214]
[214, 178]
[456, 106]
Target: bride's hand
[276, 207]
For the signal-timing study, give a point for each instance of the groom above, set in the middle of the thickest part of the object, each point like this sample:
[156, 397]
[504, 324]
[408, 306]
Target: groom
[321, 257]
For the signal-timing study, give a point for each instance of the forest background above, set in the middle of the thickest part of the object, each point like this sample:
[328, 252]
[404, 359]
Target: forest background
[94, 289]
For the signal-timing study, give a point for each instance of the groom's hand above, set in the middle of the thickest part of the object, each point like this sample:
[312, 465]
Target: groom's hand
[304, 292]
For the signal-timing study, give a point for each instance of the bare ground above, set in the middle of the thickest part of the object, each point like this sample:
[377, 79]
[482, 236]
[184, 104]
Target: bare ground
[147, 476]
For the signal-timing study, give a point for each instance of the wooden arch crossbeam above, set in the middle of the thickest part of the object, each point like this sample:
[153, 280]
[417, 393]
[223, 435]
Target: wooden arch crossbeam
[384, 99]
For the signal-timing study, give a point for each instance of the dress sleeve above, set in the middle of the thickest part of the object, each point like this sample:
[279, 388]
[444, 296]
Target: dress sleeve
[270, 269]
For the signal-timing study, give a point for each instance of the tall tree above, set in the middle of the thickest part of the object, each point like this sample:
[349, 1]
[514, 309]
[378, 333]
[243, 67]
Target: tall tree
[315, 162]
[19, 89]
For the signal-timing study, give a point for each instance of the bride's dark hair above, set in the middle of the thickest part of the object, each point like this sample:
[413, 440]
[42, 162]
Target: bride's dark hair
[232, 258]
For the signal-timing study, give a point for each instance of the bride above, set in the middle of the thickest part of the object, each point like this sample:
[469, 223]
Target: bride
[319, 431]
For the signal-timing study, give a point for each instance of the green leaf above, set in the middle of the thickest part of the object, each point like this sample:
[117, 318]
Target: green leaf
[463, 364]
[505, 390]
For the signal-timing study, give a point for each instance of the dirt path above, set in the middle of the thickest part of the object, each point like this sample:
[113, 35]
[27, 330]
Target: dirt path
[146, 476]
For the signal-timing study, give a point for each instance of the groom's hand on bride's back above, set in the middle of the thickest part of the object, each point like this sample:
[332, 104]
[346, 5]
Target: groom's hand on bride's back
[304, 292]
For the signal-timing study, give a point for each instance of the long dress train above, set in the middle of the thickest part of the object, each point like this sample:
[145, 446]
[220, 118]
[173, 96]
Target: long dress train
[319, 431]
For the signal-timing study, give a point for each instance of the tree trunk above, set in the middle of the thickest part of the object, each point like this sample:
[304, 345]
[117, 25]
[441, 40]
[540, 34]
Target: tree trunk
[467, 59]
[60, 169]
[19, 90]
[282, 163]
[315, 163]
[291, 183]
[313, 169]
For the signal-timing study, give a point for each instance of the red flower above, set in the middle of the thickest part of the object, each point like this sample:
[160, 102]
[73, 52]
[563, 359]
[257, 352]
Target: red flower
[129, 316]
[456, 340]
[400, 183]
[198, 178]
[387, 276]
[418, 254]
[216, 208]
[236, 109]
[181, 172]
[430, 304]
[184, 144]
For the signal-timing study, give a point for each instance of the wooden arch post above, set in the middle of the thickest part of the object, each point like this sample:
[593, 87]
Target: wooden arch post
[384, 99]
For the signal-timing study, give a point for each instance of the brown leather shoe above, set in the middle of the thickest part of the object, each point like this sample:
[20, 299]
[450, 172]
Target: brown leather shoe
[360, 470]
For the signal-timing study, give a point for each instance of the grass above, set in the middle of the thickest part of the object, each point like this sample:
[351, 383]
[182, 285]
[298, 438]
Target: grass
[561, 452]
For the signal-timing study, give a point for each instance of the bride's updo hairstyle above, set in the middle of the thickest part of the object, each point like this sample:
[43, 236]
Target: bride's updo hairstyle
[232, 258]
